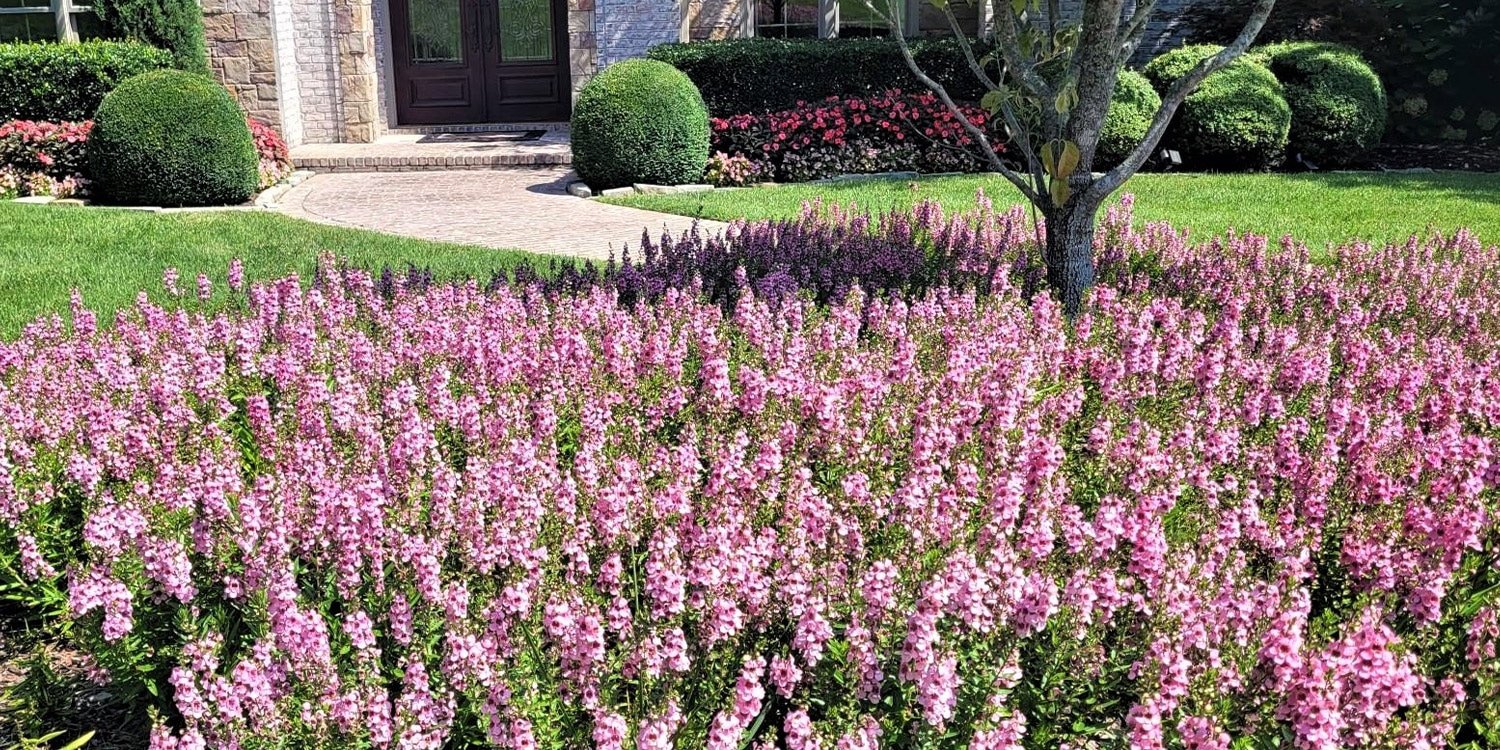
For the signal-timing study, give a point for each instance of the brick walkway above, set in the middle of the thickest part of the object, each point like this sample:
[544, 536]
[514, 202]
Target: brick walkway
[527, 209]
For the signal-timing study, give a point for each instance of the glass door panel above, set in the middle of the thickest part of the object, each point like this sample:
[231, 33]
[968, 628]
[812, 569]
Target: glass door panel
[436, 31]
[525, 30]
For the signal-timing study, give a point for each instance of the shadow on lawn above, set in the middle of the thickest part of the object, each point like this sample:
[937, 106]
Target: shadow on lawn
[1481, 187]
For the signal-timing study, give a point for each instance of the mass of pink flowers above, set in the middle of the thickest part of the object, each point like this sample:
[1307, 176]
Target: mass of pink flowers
[888, 131]
[1243, 500]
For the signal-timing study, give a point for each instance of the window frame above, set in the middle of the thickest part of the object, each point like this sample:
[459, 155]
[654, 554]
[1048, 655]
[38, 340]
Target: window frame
[828, 18]
[63, 14]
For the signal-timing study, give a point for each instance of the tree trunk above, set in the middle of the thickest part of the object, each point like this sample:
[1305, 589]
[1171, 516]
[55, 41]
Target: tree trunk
[1070, 253]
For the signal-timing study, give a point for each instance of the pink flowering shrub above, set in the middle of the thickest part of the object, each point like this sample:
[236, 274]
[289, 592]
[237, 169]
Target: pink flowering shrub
[1244, 500]
[890, 131]
[275, 157]
[43, 158]
[49, 158]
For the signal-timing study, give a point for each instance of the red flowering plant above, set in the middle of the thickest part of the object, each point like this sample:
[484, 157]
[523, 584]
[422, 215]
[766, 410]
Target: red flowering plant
[275, 157]
[890, 131]
[43, 158]
[50, 158]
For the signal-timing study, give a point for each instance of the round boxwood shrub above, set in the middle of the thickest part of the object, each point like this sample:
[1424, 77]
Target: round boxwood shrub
[640, 121]
[1238, 118]
[1129, 117]
[1337, 100]
[169, 138]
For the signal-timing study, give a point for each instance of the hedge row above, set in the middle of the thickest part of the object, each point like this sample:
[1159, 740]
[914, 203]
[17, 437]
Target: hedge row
[66, 82]
[751, 76]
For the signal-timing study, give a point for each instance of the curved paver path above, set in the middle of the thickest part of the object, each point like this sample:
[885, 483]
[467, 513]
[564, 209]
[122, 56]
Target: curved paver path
[526, 209]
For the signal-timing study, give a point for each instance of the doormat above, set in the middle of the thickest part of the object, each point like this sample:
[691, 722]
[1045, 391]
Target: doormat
[507, 136]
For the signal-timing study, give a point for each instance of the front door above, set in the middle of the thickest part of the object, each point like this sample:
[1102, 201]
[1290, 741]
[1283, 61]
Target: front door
[475, 61]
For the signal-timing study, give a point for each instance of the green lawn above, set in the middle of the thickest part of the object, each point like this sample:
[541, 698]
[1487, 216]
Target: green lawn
[1315, 208]
[109, 255]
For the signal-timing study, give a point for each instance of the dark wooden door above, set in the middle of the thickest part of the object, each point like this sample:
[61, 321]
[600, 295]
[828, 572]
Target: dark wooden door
[526, 52]
[475, 61]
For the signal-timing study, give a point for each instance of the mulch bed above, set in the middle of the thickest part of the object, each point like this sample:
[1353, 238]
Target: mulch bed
[1455, 156]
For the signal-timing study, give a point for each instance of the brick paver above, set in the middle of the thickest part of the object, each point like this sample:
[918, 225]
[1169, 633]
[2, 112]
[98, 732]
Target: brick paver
[527, 209]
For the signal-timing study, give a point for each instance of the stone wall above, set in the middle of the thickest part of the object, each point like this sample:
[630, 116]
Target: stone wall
[627, 28]
[242, 52]
[716, 19]
[583, 45]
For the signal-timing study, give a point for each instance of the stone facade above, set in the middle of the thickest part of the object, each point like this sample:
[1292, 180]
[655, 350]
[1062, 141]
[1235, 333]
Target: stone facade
[627, 28]
[321, 70]
[242, 51]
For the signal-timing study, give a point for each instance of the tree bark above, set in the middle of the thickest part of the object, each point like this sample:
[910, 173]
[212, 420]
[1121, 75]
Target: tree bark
[1070, 253]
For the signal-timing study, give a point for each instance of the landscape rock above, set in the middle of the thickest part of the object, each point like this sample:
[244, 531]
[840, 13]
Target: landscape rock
[580, 189]
[671, 189]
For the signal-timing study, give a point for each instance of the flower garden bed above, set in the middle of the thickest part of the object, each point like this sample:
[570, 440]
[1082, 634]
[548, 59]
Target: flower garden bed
[41, 160]
[742, 495]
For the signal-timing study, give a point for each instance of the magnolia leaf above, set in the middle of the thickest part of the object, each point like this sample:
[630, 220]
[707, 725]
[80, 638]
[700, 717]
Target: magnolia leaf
[1017, 6]
[1049, 160]
[1060, 191]
[939, 4]
[1067, 159]
[991, 101]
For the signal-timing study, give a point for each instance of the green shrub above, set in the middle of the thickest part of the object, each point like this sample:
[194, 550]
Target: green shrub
[750, 76]
[1338, 104]
[640, 121]
[66, 82]
[174, 25]
[1130, 113]
[172, 138]
[1237, 119]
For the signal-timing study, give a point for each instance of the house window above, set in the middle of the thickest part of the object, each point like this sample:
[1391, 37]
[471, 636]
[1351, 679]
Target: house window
[809, 19]
[47, 21]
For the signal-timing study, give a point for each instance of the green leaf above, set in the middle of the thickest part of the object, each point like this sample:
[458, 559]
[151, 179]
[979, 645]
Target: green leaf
[1060, 191]
[80, 742]
[991, 101]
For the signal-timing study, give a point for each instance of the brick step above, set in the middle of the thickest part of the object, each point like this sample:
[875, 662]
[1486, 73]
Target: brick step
[433, 152]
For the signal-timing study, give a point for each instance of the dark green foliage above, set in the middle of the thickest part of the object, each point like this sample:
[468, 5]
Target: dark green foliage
[640, 121]
[66, 82]
[750, 76]
[173, 25]
[1130, 113]
[1237, 119]
[1338, 104]
[171, 138]
[1437, 58]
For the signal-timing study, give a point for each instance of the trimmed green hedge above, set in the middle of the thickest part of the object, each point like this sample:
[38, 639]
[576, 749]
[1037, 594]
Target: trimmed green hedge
[66, 82]
[1129, 117]
[170, 138]
[639, 121]
[173, 25]
[750, 76]
[1338, 103]
[1237, 119]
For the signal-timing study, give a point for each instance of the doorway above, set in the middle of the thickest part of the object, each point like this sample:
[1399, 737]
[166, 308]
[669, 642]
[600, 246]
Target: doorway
[477, 61]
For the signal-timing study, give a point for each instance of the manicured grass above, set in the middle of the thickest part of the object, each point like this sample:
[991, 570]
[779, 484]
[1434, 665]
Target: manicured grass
[109, 255]
[1315, 208]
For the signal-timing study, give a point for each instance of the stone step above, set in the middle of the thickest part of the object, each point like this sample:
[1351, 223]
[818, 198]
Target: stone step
[432, 152]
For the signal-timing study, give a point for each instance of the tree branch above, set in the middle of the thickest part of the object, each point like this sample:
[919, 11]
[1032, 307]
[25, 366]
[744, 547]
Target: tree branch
[1173, 99]
[974, 131]
[1135, 30]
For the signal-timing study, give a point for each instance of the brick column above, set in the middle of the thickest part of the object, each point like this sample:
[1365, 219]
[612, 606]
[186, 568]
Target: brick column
[354, 30]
